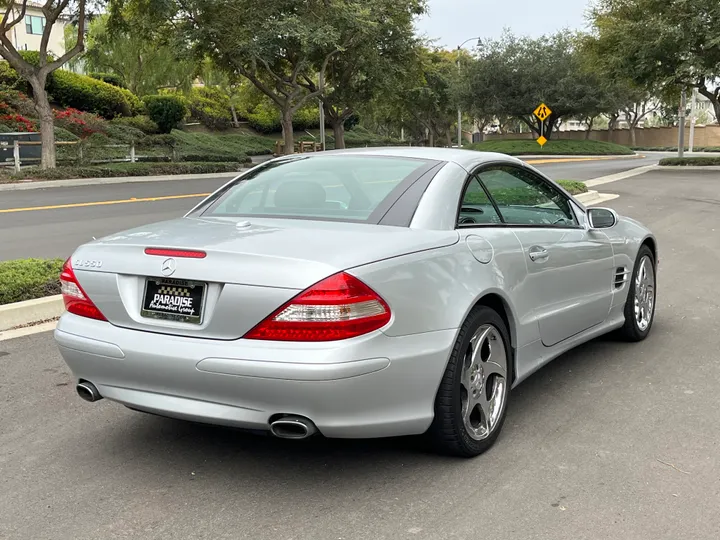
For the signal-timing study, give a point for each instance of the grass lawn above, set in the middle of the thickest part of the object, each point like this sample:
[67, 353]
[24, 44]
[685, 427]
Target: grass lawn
[562, 147]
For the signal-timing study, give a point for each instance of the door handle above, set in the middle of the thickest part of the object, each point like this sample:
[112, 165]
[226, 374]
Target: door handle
[538, 254]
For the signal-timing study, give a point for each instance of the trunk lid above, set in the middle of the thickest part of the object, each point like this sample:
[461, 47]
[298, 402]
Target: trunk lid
[251, 268]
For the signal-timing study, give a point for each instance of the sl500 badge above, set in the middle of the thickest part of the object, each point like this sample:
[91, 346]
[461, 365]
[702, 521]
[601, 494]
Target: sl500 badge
[81, 263]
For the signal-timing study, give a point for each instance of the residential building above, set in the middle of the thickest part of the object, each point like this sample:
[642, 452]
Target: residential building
[27, 34]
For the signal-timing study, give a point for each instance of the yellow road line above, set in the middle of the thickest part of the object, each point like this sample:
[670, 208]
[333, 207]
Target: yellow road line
[569, 160]
[103, 203]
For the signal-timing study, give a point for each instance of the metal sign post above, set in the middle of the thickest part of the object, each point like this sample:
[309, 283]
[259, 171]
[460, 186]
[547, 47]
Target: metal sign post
[542, 113]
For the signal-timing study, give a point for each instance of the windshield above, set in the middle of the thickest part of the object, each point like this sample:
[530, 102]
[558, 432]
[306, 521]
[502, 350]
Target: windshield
[341, 187]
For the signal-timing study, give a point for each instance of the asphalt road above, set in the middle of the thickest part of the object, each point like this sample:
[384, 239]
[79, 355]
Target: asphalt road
[56, 232]
[609, 441]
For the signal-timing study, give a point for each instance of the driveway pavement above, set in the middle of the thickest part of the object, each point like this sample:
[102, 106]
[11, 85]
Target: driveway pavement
[610, 441]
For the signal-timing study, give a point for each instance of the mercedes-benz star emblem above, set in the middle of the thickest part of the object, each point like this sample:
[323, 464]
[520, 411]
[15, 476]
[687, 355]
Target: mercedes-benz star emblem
[168, 267]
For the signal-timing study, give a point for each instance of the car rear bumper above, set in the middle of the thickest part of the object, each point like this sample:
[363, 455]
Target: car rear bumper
[374, 386]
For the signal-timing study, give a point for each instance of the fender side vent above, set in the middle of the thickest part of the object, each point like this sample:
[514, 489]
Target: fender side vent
[622, 275]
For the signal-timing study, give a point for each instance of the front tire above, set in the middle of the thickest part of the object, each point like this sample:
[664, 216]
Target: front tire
[640, 303]
[471, 402]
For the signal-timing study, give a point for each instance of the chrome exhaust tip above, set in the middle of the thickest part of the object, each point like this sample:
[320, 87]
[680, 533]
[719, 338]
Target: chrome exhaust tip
[88, 392]
[292, 427]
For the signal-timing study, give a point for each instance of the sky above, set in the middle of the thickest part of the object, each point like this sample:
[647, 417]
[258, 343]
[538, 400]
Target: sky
[454, 21]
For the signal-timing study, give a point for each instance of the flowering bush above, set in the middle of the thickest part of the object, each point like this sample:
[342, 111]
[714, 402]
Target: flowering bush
[79, 123]
[17, 102]
[18, 122]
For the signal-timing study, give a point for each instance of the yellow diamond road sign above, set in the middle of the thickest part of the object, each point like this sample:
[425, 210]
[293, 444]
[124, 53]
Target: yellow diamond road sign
[542, 112]
[541, 140]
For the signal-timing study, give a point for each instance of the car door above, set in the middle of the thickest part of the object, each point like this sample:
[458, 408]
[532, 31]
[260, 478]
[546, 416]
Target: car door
[570, 268]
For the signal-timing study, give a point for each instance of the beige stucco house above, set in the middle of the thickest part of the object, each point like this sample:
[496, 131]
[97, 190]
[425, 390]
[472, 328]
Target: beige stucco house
[26, 35]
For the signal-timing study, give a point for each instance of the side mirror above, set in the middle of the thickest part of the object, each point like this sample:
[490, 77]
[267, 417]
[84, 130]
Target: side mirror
[602, 218]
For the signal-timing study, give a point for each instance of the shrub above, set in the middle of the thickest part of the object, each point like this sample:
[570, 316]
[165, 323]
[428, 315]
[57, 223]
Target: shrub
[87, 94]
[18, 102]
[28, 279]
[210, 107]
[166, 111]
[80, 123]
[5, 129]
[136, 104]
[684, 162]
[10, 78]
[308, 118]
[17, 122]
[265, 120]
[110, 78]
[141, 122]
[62, 134]
[123, 133]
[159, 140]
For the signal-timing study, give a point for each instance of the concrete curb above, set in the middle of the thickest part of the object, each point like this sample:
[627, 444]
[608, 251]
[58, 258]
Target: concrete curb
[690, 167]
[620, 176]
[22, 186]
[593, 197]
[590, 157]
[31, 311]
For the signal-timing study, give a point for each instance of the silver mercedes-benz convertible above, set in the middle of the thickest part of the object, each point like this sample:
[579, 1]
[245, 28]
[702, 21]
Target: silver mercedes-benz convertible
[355, 294]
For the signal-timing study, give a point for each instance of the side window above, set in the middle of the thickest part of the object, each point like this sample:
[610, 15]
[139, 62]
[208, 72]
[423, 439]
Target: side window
[476, 208]
[524, 199]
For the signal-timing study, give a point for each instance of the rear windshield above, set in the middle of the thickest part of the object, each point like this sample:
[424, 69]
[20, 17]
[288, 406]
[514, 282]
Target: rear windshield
[343, 188]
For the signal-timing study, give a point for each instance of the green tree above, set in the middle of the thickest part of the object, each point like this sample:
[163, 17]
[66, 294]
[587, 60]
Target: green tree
[512, 76]
[276, 45]
[36, 69]
[431, 105]
[668, 44]
[145, 65]
[373, 68]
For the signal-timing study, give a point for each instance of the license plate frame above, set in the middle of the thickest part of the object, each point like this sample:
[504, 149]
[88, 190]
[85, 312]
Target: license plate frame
[177, 289]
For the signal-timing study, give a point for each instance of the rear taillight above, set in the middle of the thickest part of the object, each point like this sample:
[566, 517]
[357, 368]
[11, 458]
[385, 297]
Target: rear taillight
[76, 301]
[338, 307]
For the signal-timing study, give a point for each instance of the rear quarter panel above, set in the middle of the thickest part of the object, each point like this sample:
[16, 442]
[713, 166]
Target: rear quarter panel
[435, 290]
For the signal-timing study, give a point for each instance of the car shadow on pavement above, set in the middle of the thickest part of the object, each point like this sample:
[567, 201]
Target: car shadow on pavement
[221, 453]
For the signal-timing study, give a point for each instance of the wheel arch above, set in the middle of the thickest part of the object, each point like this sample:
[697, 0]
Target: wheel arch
[498, 303]
[651, 243]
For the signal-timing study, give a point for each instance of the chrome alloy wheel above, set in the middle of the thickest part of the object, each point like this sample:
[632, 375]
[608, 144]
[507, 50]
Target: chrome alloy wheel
[484, 382]
[644, 294]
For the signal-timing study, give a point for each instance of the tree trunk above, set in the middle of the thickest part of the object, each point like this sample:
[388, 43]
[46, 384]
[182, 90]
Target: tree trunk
[287, 130]
[338, 127]
[47, 123]
[448, 138]
[234, 116]
[611, 127]
[633, 136]
[591, 121]
[431, 136]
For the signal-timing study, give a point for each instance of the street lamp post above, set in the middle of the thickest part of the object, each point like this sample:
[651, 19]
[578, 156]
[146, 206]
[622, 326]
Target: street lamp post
[459, 121]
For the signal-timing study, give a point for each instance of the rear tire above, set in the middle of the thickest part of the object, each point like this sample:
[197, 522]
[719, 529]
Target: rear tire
[640, 303]
[471, 403]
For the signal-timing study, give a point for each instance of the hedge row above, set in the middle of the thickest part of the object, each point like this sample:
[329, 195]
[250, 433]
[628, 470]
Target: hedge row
[28, 279]
[125, 169]
[690, 162]
[70, 89]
